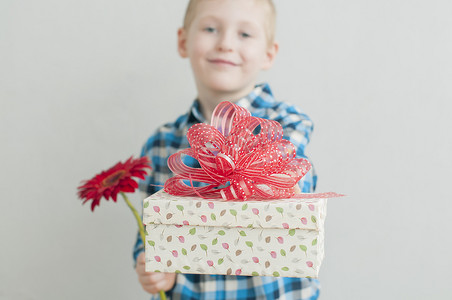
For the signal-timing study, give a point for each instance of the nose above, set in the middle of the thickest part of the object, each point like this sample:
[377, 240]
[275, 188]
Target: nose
[225, 42]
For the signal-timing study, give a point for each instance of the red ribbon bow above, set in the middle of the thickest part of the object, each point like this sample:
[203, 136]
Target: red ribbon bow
[248, 152]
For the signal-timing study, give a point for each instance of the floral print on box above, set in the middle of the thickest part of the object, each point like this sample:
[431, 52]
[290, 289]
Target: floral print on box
[162, 208]
[282, 237]
[234, 251]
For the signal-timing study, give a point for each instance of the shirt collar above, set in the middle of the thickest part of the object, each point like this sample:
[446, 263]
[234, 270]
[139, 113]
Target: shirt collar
[256, 102]
[195, 114]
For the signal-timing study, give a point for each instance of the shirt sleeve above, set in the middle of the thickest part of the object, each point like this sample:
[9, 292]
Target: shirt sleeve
[298, 128]
[146, 189]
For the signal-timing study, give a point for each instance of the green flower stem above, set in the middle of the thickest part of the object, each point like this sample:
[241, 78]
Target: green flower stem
[137, 217]
[141, 227]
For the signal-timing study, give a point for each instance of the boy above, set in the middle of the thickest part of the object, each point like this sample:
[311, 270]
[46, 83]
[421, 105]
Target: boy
[228, 42]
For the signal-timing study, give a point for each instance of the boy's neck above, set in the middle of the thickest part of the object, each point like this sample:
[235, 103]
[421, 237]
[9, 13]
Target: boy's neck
[210, 100]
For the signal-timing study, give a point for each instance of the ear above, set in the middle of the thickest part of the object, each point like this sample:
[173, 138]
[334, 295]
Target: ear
[182, 42]
[271, 55]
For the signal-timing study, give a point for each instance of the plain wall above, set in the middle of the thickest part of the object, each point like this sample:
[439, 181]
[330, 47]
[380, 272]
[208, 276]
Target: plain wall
[84, 83]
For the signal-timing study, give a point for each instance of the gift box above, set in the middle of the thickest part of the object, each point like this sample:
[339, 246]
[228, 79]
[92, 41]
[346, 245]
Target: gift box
[278, 237]
[245, 218]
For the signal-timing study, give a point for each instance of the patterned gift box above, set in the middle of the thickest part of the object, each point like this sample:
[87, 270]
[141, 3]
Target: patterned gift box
[282, 237]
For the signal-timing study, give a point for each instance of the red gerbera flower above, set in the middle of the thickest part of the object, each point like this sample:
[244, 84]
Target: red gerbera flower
[117, 179]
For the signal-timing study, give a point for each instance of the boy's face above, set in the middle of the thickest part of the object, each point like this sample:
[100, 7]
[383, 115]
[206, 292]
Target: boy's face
[227, 45]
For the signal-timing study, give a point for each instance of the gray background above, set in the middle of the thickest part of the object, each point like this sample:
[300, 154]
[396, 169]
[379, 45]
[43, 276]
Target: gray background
[83, 83]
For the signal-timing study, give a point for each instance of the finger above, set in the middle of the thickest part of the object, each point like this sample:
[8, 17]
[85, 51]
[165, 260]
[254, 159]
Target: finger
[141, 270]
[164, 284]
[160, 286]
[153, 287]
[141, 259]
[147, 283]
[156, 277]
[147, 278]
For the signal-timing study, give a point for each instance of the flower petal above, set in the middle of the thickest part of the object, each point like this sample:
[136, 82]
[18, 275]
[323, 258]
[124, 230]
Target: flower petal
[121, 181]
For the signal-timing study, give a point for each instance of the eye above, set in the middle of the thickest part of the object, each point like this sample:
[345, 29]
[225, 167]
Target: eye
[210, 29]
[245, 35]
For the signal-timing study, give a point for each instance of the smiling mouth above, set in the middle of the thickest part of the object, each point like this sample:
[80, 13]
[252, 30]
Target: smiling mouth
[222, 62]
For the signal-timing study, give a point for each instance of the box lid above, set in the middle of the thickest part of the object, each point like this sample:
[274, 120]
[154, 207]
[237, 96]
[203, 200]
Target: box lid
[163, 208]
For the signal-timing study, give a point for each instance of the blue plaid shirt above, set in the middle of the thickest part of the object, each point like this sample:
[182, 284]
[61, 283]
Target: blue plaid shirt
[170, 138]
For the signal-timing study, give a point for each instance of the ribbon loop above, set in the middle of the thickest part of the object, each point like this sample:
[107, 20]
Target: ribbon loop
[241, 157]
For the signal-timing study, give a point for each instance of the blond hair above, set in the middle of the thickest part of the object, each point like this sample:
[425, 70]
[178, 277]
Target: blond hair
[270, 24]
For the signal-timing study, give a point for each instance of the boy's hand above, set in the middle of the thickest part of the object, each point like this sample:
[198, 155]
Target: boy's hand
[153, 282]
